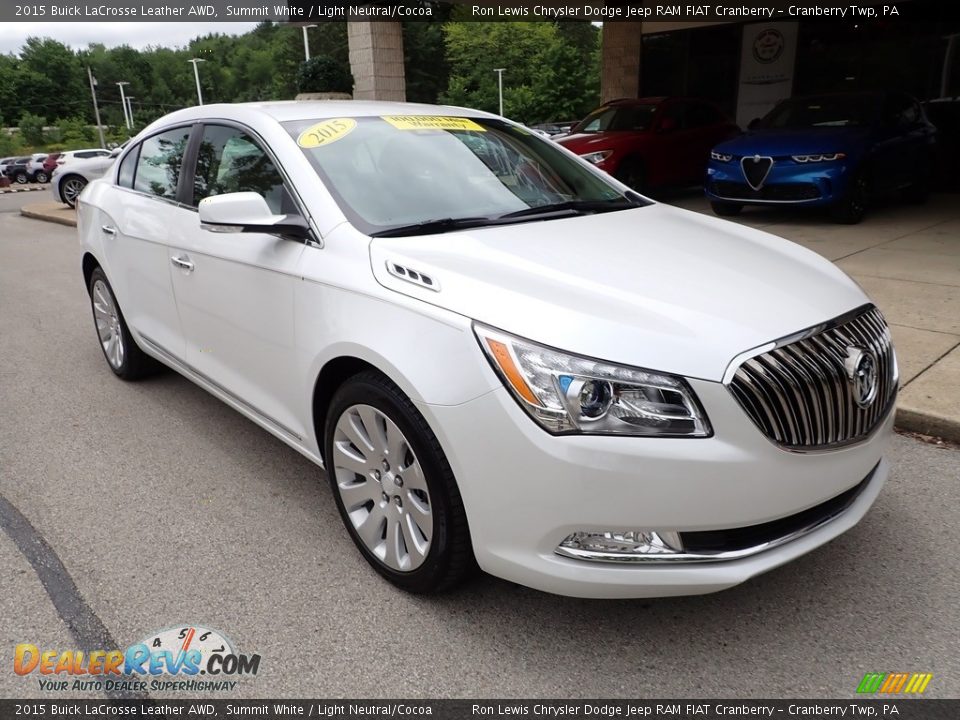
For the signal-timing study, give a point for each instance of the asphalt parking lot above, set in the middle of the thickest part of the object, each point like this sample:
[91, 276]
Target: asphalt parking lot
[165, 507]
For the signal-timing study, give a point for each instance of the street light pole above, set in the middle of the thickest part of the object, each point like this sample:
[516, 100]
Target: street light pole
[306, 42]
[96, 108]
[123, 102]
[130, 108]
[499, 72]
[196, 76]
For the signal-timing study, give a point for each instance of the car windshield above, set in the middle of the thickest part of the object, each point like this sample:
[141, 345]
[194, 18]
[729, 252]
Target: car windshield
[397, 171]
[619, 117]
[827, 111]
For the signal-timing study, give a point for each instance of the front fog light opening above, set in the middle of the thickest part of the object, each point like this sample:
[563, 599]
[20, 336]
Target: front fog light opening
[623, 545]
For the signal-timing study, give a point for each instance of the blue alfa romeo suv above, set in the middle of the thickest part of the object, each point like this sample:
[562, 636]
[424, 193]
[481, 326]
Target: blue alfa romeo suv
[835, 151]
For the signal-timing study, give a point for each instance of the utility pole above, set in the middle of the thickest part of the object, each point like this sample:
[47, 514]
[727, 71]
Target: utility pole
[123, 103]
[499, 72]
[96, 108]
[130, 109]
[306, 42]
[196, 76]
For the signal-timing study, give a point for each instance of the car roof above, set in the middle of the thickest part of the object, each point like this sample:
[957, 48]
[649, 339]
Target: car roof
[287, 110]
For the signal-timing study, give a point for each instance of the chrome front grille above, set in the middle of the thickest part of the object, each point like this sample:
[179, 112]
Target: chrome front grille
[801, 393]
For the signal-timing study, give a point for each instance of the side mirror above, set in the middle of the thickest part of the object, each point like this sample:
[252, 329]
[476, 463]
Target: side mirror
[752, 125]
[248, 212]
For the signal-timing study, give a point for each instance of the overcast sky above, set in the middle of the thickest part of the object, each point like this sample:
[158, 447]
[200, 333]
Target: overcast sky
[136, 34]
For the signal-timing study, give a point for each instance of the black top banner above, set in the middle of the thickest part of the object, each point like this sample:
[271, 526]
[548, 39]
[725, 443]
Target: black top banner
[893, 708]
[313, 11]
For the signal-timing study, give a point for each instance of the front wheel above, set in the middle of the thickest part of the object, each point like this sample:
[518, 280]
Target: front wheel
[394, 487]
[850, 209]
[21, 178]
[122, 353]
[726, 209]
[632, 174]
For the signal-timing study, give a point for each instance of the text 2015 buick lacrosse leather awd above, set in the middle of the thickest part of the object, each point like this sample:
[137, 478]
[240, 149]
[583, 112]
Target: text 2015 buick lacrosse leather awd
[502, 356]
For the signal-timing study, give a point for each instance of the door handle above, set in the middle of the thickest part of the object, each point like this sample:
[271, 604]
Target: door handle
[182, 262]
[109, 230]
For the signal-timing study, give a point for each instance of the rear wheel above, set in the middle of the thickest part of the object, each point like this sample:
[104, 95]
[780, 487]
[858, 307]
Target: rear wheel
[394, 487]
[122, 353]
[725, 209]
[41, 176]
[70, 189]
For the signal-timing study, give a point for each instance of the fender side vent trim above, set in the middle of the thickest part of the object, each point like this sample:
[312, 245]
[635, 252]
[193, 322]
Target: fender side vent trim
[413, 276]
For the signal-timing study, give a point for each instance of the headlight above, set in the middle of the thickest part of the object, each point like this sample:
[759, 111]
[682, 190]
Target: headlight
[722, 157]
[597, 157]
[819, 157]
[570, 394]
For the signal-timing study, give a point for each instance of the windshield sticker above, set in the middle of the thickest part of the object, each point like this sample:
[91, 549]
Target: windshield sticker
[432, 122]
[326, 132]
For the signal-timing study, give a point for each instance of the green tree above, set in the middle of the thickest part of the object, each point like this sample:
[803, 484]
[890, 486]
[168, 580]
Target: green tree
[324, 74]
[31, 128]
[550, 74]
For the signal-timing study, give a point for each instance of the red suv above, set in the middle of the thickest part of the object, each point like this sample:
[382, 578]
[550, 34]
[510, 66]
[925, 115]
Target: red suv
[651, 142]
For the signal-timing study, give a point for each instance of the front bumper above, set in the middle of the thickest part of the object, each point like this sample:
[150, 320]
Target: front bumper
[525, 491]
[787, 183]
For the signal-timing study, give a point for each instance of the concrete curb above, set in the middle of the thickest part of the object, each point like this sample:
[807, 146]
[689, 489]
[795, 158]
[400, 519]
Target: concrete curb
[47, 217]
[23, 188]
[928, 423]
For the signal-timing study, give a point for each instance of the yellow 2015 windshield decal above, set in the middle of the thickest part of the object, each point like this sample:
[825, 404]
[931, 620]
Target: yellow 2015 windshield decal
[326, 132]
[432, 122]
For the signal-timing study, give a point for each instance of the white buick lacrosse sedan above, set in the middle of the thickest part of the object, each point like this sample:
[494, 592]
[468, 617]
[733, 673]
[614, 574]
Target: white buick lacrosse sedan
[501, 356]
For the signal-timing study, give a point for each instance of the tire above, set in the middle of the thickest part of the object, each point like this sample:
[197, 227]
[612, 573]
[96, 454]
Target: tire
[41, 176]
[378, 431]
[20, 178]
[850, 209]
[129, 362]
[70, 188]
[725, 209]
[632, 173]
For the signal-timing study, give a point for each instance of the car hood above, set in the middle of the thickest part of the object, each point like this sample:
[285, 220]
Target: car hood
[655, 287]
[795, 142]
[582, 143]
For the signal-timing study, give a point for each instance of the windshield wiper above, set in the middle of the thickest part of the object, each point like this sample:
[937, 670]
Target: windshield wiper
[431, 227]
[579, 207]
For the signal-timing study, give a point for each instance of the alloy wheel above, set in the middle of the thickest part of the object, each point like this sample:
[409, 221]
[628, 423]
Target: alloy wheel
[382, 487]
[72, 189]
[108, 324]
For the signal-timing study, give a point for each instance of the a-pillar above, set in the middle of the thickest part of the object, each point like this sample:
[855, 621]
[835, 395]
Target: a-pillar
[620, 71]
[376, 60]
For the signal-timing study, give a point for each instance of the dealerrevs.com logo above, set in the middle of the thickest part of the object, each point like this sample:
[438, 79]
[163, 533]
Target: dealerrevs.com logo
[188, 657]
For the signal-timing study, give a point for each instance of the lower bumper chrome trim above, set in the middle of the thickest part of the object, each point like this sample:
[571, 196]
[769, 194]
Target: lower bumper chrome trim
[727, 545]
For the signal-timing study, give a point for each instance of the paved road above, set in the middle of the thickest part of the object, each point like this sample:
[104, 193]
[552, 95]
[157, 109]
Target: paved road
[165, 506]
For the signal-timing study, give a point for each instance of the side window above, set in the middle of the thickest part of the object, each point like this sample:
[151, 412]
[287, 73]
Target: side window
[158, 165]
[674, 116]
[128, 167]
[84, 154]
[230, 161]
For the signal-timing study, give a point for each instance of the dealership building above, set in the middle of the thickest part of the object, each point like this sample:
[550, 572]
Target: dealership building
[745, 66]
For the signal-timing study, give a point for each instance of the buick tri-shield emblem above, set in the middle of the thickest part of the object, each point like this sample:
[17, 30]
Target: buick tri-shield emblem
[755, 170]
[862, 371]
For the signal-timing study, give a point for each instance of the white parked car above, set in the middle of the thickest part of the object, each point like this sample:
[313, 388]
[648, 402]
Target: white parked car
[71, 177]
[35, 171]
[500, 354]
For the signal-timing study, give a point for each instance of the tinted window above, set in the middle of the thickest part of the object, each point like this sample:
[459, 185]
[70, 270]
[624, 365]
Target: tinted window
[702, 115]
[158, 167]
[229, 161]
[127, 168]
[86, 154]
